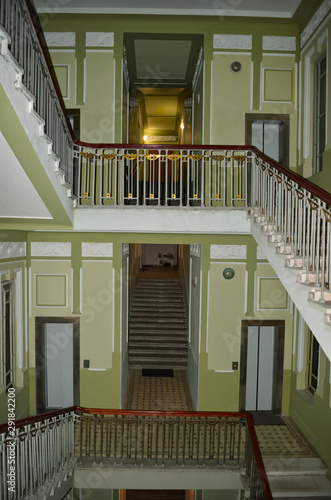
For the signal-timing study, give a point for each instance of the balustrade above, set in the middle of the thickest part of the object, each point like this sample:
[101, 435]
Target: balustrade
[47, 446]
[35, 452]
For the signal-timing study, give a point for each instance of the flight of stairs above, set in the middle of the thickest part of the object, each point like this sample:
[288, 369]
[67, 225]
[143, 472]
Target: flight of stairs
[299, 283]
[300, 478]
[157, 325]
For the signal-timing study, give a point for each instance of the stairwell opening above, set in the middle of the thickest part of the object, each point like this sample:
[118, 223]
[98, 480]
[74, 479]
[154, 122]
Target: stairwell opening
[160, 311]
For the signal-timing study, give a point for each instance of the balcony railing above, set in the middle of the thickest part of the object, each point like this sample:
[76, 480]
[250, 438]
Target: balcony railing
[36, 453]
[294, 212]
[45, 446]
[172, 176]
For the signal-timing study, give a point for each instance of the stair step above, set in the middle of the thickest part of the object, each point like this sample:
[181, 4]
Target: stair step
[159, 362]
[157, 295]
[157, 324]
[149, 339]
[157, 353]
[151, 330]
[294, 486]
[158, 314]
[294, 466]
[167, 321]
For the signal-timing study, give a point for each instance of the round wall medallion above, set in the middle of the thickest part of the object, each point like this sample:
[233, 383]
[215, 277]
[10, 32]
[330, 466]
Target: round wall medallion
[228, 273]
[235, 67]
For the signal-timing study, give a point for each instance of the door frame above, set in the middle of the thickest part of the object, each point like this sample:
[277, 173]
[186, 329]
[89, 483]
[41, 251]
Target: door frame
[250, 118]
[41, 394]
[278, 391]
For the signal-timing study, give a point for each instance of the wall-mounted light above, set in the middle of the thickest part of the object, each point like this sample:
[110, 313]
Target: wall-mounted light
[228, 273]
[235, 67]
[182, 125]
[145, 137]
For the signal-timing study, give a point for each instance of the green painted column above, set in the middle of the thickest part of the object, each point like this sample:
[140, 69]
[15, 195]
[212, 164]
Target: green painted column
[80, 54]
[251, 268]
[257, 60]
[76, 264]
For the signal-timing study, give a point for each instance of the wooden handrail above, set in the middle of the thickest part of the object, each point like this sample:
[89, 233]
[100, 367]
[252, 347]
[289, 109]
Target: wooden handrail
[38, 418]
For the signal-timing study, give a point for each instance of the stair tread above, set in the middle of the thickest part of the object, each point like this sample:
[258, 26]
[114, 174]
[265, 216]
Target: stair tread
[293, 466]
[302, 485]
[157, 324]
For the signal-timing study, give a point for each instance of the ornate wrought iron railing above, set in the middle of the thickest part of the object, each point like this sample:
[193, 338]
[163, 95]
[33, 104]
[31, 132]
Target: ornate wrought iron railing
[18, 31]
[172, 176]
[172, 439]
[35, 452]
[44, 445]
[296, 213]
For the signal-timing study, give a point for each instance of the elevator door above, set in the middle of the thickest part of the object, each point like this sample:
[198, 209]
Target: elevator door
[59, 365]
[261, 370]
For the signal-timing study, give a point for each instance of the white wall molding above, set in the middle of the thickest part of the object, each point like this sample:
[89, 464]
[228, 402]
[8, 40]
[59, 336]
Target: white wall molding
[228, 251]
[12, 249]
[195, 250]
[50, 249]
[259, 254]
[306, 103]
[279, 43]
[99, 39]
[125, 249]
[232, 42]
[60, 38]
[97, 249]
[314, 22]
[19, 316]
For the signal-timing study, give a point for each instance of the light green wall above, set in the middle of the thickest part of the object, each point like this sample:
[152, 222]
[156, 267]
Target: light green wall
[9, 270]
[317, 45]
[311, 413]
[16, 137]
[222, 310]
[230, 302]
[103, 80]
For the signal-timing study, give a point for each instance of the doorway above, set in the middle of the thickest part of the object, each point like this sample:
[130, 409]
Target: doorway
[57, 363]
[270, 134]
[261, 375]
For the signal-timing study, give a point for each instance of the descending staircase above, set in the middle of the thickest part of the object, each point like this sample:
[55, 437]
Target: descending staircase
[303, 478]
[299, 283]
[157, 326]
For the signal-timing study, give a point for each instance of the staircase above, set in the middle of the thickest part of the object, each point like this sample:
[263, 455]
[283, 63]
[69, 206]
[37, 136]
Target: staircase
[157, 325]
[298, 282]
[304, 478]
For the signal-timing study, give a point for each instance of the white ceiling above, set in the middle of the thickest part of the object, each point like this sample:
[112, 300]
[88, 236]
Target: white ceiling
[19, 198]
[252, 8]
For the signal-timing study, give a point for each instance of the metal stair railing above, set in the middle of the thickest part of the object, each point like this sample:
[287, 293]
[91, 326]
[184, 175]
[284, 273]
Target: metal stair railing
[36, 453]
[23, 41]
[43, 445]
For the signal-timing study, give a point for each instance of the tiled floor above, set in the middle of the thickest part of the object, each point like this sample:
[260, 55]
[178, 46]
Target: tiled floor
[166, 393]
[158, 393]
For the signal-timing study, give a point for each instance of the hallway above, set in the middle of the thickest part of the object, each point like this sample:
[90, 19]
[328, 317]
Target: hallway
[172, 394]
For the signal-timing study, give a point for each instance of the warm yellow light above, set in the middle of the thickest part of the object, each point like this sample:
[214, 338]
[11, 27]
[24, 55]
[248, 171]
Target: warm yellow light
[145, 137]
[182, 125]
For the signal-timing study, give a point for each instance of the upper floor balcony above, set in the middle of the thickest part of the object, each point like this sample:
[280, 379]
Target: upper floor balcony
[153, 188]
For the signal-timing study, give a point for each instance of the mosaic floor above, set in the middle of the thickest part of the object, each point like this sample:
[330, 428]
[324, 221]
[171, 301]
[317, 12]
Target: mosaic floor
[165, 393]
[158, 393]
